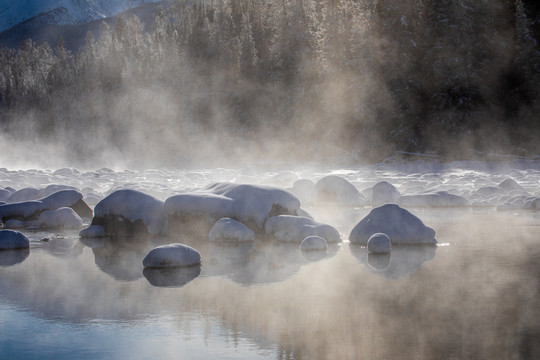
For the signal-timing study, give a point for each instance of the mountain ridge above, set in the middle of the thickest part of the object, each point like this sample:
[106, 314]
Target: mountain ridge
[62, 12]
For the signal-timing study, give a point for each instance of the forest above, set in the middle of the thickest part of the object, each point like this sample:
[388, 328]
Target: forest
[285, 79]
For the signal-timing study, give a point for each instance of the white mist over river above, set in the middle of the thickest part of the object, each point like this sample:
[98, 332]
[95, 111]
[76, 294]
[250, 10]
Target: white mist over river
[475, 295]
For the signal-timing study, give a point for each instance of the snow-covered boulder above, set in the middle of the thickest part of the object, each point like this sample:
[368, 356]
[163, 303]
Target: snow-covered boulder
[296, 228]
[67, 198]
[11, 239]
[64, 217]
[173, 255]
[25, 194]
[230, 230]
[93, 231]
[511, 185]
[23, 211]
[379, 243]
[384, 193]
[314, 243]
[335, 189]
[399, 224]
[130, 212]
[249, 204]
[438, 199]
[53, 188]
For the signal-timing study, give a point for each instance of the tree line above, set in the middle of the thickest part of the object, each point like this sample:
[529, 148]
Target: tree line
[361, 77]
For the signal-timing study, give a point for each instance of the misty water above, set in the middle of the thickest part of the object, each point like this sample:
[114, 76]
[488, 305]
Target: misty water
[476, 295]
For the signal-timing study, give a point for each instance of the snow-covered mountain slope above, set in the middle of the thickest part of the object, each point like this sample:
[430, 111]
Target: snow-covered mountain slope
[62, 12]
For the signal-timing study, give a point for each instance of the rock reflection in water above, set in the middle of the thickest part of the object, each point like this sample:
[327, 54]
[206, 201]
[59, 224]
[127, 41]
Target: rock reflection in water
[259, 263]
[121, 258]
[403, 260]
[175, 277]
[13, 257]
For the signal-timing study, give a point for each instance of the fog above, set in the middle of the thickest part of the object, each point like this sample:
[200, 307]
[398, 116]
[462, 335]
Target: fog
[422, 94]
[231, 82]
[477, 297]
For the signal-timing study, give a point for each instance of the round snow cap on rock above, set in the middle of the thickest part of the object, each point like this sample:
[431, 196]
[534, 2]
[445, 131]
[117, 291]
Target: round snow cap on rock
[379, 243]
[173, 255]
[11, 239]
[314, 243]
[399, 224]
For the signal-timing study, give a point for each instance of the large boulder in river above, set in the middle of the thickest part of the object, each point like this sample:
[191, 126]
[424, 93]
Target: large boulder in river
[129, 212]
[337, 190]
[65, 218]
[252, 205]
[11, 239]
[399, 224]
[173, 255]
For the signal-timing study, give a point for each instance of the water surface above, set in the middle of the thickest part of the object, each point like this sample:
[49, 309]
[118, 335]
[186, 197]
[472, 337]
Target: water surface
[475, 296]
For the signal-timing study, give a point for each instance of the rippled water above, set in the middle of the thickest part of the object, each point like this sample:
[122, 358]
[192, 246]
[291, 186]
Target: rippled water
[475, 296]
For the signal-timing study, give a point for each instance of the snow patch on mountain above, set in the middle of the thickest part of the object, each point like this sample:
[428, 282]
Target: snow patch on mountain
[62, 12]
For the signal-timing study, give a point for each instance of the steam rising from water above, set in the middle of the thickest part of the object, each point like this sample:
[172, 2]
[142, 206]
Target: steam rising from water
[232, 82]
[477, 297]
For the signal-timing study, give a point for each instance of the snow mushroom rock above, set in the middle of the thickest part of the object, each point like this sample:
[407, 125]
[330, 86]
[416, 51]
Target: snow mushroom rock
[126, 212]
[11, 239]
[383, 193]
[314, 243]
[335, 189]
[290, 228]
[397, 223]
[438, 199]
[230, 230]
[173, 255]
[64, 217]
[379, 243]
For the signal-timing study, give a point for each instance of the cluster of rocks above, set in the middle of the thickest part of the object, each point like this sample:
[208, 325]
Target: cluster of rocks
[508, 194]
[224, 212]
[64, 208]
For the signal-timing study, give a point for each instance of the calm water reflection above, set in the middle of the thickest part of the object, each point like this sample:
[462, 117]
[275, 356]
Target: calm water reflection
[475, 297]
